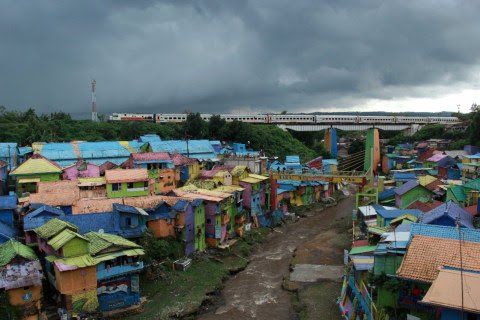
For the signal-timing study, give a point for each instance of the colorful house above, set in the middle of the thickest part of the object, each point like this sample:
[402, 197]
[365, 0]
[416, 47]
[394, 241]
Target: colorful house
[127, 183]
[218, 210]
[448, 214]
[3, 177]
[35, 169]
[448, 295]
[81, 169]
[8, 207]
[117, 269]
[9, 154]
[424, 260]
[256, 195]
[160, 169]
[185, 168]
[63, 194]
[69, 266]
[409, 192]
[21, 277]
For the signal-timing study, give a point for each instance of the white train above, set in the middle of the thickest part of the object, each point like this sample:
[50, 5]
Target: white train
[284, 118]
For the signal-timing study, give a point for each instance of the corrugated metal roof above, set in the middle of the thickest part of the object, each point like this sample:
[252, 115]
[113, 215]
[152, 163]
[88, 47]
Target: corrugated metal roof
[36, 166]
[451, 210]
[446, 232]
[198, 149]
[13, 248]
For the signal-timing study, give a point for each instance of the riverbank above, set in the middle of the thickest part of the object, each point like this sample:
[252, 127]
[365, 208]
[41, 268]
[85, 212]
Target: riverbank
[247, 279]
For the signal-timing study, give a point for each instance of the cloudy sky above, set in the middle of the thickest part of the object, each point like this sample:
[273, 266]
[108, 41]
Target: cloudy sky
[258, 55]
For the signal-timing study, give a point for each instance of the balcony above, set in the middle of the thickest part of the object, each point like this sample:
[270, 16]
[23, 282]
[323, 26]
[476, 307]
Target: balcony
[119, 270]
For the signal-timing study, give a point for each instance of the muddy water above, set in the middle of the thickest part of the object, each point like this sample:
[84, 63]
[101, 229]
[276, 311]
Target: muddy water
[257, 292]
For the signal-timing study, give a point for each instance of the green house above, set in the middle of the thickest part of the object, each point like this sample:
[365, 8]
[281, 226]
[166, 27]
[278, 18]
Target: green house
[34, 170]
[410, 192]
[127, 183]
[199, 214]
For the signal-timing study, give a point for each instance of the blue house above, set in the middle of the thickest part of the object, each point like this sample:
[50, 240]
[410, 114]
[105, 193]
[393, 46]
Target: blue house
[125, 221]
[147, 138]
[118, 267]
[444, 232]
[6, 232]
[384, 216]
[448, 214]
[8, 205]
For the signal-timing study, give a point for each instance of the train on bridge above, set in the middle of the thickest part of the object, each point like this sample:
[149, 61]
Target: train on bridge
[286, 118]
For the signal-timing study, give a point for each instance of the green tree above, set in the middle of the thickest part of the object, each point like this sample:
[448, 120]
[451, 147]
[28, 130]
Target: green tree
[216, 127]
[474, 127]
[195, 127]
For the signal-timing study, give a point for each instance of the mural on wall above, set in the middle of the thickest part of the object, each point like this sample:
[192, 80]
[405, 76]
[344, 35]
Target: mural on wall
[85, 301]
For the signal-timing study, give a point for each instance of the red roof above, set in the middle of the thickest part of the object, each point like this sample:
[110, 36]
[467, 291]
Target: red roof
[434, 185]
[425, 206]
[127, 175]
[151, 156]
[425, 155]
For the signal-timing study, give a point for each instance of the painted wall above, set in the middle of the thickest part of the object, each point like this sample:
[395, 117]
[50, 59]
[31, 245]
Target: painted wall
[138, 189]
[199, 225]
[71, 282]
[411, 196]
[73, 173]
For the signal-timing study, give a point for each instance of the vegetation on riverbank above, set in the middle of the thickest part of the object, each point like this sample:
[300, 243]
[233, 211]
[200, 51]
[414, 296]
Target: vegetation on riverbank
[182, 293]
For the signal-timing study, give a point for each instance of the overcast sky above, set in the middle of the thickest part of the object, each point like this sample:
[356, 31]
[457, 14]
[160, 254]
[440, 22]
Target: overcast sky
[232, 56]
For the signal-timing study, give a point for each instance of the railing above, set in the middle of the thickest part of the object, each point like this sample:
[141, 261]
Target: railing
[118, 270]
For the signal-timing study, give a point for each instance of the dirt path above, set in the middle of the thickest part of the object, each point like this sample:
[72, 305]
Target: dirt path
[257, 291]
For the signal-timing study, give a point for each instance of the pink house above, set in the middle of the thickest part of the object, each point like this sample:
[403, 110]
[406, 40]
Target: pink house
[81, 169]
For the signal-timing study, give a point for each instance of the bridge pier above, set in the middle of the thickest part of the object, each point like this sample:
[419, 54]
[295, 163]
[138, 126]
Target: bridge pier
[330, 142]
[410, 131]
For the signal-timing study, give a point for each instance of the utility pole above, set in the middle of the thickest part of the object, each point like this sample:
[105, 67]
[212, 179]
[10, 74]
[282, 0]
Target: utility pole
[94, 101]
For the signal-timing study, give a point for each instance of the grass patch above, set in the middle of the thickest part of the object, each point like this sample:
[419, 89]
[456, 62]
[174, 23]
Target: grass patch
[318, 301]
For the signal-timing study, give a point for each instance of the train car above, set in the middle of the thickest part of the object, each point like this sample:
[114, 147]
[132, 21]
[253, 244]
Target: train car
[336, 119]
[292, 118]
[170, 117]
[132, 117]
[249, 118]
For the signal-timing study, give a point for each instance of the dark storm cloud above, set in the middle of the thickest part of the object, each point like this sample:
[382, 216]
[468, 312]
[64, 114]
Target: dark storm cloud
[213, 56]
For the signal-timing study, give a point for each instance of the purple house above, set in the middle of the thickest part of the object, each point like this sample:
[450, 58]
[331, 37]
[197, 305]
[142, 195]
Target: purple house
[81, 169]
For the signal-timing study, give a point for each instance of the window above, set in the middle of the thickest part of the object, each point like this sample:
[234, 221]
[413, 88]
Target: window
[130, 185]
[115, 186]
[145, 184]
[128, 221]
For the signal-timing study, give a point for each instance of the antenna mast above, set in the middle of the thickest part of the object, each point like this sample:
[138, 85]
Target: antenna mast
[94, 101]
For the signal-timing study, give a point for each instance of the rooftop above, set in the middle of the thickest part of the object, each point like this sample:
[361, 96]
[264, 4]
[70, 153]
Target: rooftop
[11, 249]
[126, 175]
[426, 255]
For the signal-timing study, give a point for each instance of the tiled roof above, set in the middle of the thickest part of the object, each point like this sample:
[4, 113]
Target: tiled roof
[151, 156]
[407, 186]
[36, 165]
[238, 170]
[127, 175]
[8, 202]
[451, 210]
[13, 248]
[57, 193]
[91, 205]
[446, 232]
[426, 255]
[54, 227]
